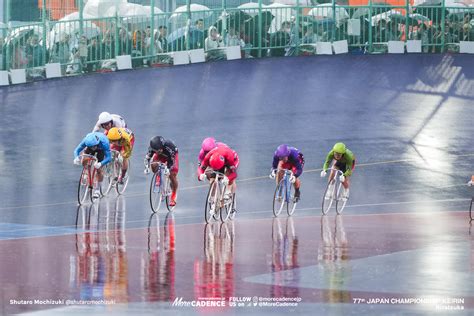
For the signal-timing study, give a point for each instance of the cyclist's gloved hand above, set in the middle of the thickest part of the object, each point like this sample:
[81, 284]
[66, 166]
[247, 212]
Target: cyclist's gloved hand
[342, 178]
[167, 171]
[273, 174]
[146, 171]
[77, 161]
[225, 180]
[202, 177]
[323, 173]
[97, 165]
[470, 183]
[293, 179]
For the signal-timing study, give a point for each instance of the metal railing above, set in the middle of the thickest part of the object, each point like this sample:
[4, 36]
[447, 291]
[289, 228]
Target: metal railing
[81, 42]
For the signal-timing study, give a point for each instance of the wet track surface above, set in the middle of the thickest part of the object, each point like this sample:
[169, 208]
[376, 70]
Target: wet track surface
[404, 234]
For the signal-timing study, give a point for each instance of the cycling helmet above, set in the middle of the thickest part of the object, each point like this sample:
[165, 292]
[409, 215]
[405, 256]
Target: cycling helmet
[339, 148]
[208, 144]
[157, 143]
[105, 117]
[282, 151]
[216, 161]
[91, 140]
[114, 134]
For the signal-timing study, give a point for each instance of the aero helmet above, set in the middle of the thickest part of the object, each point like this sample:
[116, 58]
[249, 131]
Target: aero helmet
[339, 148]
[282, 151]
[216, 161]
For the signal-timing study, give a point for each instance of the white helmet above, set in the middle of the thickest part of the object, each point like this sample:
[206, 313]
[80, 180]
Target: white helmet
[105, 117]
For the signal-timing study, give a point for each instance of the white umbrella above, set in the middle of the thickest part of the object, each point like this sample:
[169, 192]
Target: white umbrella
[75, 16]
[294, 2]
[324, 11]
[281, 13]
[89, 29]
[198, 11]
[98, 8]
[383, 16]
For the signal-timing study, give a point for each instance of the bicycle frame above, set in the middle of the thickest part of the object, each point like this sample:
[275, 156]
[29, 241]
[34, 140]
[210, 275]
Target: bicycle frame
[163, 190]
[90, 171]
[216, 199]
[335, 193]
[282, 194]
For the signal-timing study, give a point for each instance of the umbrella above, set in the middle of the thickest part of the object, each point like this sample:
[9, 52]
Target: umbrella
[281, 13]
[251, 8]
[419, 17]
[98, 8]
[89, 29]
[434, 12]
[234, 19]
[198, 11]
[128, 10]
[323, 11]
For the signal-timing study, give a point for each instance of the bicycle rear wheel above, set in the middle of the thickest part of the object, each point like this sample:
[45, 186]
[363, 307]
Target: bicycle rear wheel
[291, 203]
[234, 207]
[83, 187]
[211, 205]
[121, 187]
[109, 179]
[278, 198]
[155, 193]
[328, 196]
[340, 201]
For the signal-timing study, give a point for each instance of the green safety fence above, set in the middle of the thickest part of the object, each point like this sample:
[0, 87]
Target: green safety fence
[81, 42]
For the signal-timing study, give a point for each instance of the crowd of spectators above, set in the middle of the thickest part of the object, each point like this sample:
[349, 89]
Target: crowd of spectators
[149, 47]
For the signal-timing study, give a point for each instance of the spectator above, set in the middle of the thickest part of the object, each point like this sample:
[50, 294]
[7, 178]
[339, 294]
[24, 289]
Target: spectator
[232, 38]
[108, 46]
[138, 50]
[212, 43]
[196, 35]
[294, 33]
[61, 52]
[161, 42]
[392, 33]
[125, 43]
[280, 40]
[309, 36]
[93, 55]
[214, 40]
[34, 52]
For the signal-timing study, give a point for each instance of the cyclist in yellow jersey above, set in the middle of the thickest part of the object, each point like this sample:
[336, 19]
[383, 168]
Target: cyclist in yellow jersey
[122, 140]
[344, 161]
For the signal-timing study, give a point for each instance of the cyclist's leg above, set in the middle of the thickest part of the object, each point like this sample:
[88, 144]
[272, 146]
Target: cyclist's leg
[100, 175]
[174, 180]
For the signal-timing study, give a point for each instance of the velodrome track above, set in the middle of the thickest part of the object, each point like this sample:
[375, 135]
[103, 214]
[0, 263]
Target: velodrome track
[404, 234]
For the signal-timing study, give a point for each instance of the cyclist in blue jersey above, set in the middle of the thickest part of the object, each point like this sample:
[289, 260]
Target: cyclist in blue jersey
[95, 144]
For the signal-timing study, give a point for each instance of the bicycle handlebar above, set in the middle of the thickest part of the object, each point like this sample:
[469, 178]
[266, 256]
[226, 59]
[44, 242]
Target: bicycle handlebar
[82, 156]
[149, 163]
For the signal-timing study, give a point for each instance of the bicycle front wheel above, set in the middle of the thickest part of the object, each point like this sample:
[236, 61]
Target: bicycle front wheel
[83, 187]
[226, 209]
[279, 198]
[328, 196]
[291, 203]
[122, 186]
[155, 192]
[211, 208]
[341, 201]
[96, 186]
